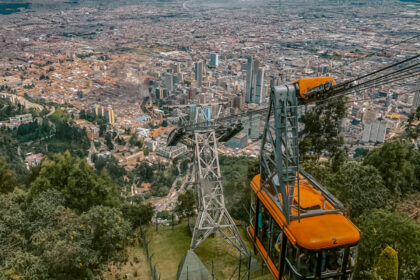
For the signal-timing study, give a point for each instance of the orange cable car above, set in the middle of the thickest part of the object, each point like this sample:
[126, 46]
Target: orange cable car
[297, 226]
[317, 247]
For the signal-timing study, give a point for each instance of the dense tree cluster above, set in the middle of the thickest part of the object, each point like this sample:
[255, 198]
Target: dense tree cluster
[68, 225]
[54, 135]
[110, 165]
[397, 161]
[382, 228]
[9, 147]
[73, 177]
[33, 131]
[160, 177]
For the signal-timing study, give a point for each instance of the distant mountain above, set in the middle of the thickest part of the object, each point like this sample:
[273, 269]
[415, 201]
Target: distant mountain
[413, 1]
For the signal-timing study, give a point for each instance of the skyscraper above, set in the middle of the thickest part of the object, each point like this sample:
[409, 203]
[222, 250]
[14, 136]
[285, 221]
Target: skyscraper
[254, 82]
[168, 81]
[109, 115]
[214, 60]
[416, 100]
[199, 73]
[259, 89]
[249, 76]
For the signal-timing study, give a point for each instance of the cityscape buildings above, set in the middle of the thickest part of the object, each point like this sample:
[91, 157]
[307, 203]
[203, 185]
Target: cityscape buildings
[133, 63]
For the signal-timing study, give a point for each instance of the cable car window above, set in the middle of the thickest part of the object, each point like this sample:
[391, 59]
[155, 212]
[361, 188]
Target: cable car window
[276, 241]
[300, 262]
[331, 261]
[253, 209]
[306, 262]
[264, 224]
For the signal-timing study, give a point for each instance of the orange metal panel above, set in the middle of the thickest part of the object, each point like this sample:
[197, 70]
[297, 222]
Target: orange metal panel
[305, 84]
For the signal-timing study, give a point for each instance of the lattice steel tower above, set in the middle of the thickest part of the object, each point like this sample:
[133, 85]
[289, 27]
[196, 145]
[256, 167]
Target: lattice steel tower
[212, 213]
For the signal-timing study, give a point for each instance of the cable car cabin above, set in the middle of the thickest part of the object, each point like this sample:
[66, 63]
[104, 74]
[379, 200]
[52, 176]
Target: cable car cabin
[316, 247]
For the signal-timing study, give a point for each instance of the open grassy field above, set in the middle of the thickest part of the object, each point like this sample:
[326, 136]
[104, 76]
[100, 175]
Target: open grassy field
[169, 246]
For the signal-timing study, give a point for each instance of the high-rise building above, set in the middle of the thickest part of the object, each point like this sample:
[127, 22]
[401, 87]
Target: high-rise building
[98, 110]
[416, 100]
[159, 93]
[249, 70]
[259, 88]
[176, 68]
[199, 73]
[214, 60]
[168, 81]
[109, 115]
[254, 77]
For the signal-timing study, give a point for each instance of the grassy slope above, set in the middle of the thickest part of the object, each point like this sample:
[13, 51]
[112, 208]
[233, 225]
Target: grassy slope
[138, 270]
[169, 246]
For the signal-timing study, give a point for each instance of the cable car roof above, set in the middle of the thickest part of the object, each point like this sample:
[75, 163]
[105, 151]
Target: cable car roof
[324, 231]
[315, 232]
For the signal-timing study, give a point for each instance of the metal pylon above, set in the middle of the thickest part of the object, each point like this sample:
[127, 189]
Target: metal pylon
[279, 161]
[212, 213]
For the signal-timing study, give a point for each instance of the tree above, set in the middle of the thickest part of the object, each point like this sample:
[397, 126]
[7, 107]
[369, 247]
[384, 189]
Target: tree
[7, 177]
[44, 210]
[145, 152]
[120, 141]
[394, 161]
[387, 266]
[13, 224]
[411, 131]
[137, 214]
[338, 160]
[102, 130]
[360, 187]
[106, 227]
[144, 172]
[184, 165]
[186, 204]
[381, 228]
[25, 266]
[115, 171]
[81, 187]
[164, 215]
[108, 142]
[33, 175]
[321, 133]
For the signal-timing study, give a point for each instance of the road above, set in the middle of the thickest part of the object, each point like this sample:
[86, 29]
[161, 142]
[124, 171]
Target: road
[169, 201]
[92, 150]
[51, 112]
